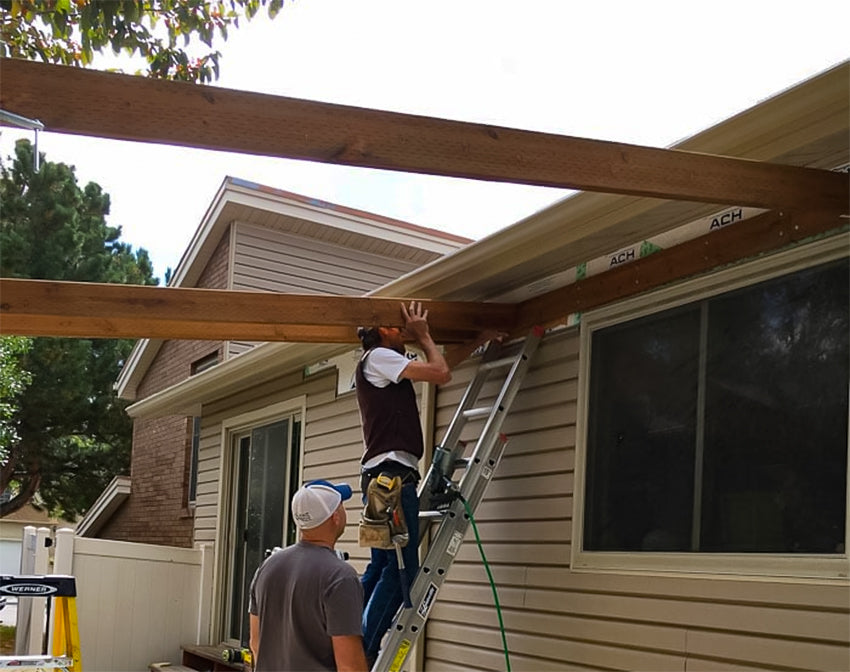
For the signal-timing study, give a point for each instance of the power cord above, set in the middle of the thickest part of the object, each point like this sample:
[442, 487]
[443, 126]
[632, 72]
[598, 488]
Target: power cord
[492, 582]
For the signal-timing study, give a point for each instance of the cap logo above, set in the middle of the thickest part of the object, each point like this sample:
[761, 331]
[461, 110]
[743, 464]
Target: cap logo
[317, 501]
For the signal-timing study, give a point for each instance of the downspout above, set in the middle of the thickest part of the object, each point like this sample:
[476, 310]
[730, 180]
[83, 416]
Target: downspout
[34, 125]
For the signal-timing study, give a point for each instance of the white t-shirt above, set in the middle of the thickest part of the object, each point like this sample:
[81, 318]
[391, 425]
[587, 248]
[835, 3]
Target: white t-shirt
[382, 367]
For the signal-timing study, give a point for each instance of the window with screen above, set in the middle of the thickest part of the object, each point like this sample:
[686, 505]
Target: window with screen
[720, 426]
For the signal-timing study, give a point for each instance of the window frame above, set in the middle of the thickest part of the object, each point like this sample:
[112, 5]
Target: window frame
[194, 431]
[731, 565]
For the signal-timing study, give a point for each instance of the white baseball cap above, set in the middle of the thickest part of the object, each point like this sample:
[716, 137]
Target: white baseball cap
[314, 503]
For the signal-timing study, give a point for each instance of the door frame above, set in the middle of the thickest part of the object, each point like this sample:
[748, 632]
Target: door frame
[231, 428]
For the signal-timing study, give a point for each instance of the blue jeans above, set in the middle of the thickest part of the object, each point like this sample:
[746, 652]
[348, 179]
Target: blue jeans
[381, 582]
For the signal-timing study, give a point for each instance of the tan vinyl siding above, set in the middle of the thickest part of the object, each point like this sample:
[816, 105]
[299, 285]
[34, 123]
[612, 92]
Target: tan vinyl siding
[277, 261]
[332, 444]
[332, 449]
[274, 260]
[211, 450]
[207, 494]
[557, 619]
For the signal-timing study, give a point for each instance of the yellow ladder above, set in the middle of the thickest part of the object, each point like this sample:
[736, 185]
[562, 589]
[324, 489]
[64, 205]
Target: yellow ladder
[66, 638]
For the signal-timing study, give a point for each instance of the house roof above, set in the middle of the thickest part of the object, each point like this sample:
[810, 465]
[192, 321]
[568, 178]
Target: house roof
[99, 513]
[252, 203]
[29, 515]
[806, 125]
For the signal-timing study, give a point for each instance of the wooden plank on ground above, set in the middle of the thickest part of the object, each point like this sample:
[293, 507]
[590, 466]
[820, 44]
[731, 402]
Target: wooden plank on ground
[179, 113]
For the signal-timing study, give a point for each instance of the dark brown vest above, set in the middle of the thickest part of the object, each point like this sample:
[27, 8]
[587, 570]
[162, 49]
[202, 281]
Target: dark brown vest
[389, 416]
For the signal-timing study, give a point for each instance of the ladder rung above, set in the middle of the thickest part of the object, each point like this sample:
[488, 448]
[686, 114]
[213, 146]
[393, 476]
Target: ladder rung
[431, 514]
[497, 363]
[477, 412]
[458, 498]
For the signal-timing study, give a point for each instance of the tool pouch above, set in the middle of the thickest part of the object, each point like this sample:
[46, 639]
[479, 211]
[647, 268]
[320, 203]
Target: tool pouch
[382, 523]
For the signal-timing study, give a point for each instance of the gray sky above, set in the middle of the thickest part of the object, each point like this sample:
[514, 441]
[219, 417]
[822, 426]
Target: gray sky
[648, 73]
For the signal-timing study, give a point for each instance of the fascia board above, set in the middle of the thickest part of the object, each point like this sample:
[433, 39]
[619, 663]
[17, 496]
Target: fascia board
[140, 358]
[209, 223]
[263, 362]
[99, 513]
[337, 217]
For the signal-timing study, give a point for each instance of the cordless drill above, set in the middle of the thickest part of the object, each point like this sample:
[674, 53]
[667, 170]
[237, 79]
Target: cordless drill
[237, 656]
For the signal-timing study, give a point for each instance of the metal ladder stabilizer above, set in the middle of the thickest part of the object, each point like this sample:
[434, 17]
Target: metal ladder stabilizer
[442, 498]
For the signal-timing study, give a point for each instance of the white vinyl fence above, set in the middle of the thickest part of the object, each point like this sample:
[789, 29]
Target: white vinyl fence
[136, 603]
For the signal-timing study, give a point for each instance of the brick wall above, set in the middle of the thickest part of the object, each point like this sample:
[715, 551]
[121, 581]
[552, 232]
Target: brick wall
[156, 511]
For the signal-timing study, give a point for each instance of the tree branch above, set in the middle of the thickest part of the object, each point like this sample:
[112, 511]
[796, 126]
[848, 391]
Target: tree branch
[29, 487]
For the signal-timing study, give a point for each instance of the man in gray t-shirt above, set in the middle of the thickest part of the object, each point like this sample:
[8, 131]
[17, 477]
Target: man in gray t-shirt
[306, 603]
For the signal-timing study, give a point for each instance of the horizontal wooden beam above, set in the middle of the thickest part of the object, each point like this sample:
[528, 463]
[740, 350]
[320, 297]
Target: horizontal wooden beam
[179, 113]
[92, 310]
[764, 233]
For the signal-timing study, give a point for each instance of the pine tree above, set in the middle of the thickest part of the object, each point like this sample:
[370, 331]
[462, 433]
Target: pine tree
[71, 434]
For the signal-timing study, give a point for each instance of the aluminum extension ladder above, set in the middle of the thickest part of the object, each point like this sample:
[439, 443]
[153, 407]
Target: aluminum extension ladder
[66, 639]
[440, 496]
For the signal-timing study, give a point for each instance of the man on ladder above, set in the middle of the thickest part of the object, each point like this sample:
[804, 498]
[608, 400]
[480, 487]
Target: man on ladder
[393, 447]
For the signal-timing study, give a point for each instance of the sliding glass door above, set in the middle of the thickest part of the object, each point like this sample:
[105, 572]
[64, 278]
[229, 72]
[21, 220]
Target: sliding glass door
[265, 474]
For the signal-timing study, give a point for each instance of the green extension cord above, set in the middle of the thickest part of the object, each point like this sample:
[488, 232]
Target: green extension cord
[492, 583]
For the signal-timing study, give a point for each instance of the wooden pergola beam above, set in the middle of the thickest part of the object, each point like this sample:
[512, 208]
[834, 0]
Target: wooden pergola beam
[90, 310]
[110, 105]
[763, 233]
[95, 310]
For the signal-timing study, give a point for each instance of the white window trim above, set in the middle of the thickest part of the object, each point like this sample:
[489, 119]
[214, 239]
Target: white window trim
[231, 427]
[783, 567]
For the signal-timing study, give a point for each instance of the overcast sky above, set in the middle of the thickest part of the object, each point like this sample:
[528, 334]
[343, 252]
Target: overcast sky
[648, 73]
